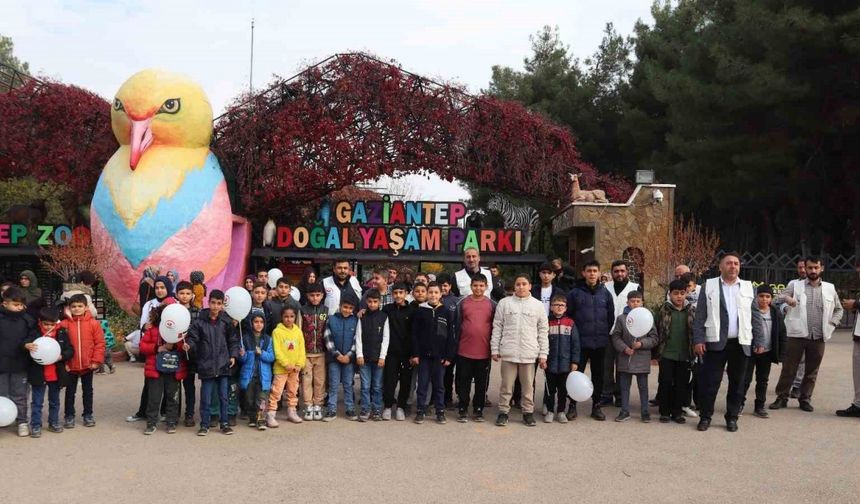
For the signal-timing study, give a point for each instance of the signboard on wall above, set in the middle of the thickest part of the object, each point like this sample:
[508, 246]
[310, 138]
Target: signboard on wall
[43, 235]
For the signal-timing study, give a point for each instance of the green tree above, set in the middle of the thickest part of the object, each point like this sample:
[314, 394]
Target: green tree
[8, 77]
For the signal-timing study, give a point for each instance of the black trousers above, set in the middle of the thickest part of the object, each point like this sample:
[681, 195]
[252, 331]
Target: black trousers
[72, 389]
[760, 364]
[732, 360]
[397, 370]
[449, 382]
[164, 388]
[190, 394]
[555, 392]
[594, 357]
[144, 401]
[674, 386]
[469, 370]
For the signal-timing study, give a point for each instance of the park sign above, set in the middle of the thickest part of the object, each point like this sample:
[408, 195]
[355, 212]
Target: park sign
[394, 227]
[43, 235]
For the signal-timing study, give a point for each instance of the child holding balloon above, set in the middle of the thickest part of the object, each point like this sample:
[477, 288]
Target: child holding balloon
[17, 331]
[634, 339]
[165, 368]
[50, 376]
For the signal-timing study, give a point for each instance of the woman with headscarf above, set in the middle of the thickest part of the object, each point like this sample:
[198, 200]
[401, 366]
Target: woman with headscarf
[309, 277]
[249, 283]
[173, 276]
[146, 291]
[30, 285]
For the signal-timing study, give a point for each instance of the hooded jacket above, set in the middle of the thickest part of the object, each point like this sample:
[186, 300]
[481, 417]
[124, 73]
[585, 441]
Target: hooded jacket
[16, 330]
[433, 332]
[88, 340]
[214, 343]
[33, 292]
[149, 343]
[640, 361]
[262, 363]
[289, 346]
[40, 375]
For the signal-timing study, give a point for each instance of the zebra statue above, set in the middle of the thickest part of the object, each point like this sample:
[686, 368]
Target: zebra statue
[524, 218]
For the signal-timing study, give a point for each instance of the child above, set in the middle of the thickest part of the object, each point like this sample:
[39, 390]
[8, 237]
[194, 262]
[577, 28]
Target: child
[433, 348]
[185, 296]
[259, 306]
[314, 316]
[280, 300]
[17, 331]
[450, 300]
[215, 344]
[257, 355]
[674, 352]
[562, 359]
[775, 344]
[52, 377]
[198, 289]
[419, 294]
[371, 348]
[634, 358]
[165, 368]
[340, 332]
[520, 329]
[546, 290]
[289, 343]
[474, 327]
[85, 335]
[398, 369]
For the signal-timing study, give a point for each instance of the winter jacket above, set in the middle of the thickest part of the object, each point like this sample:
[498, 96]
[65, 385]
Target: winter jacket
[38, 375]
[273, 308]
[87, 338]
[371, 341]
[289, 346]
[149, 343]
[340, 336]
[16, 330]
[261, 364]
[433, 332]
[563, 344]
[664, 324]
[593, 309]
[400, 328]
[778, 336]
[213, 343]
[520, 329]
[640, 361]
[313, 326]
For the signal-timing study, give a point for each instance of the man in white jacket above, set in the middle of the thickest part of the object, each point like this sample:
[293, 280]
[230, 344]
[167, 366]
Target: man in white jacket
[471, 267]
[813, 312]
[520, 336]
[339, 282]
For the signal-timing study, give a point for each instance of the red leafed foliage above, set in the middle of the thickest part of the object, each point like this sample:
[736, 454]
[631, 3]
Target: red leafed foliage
[57, 132]
[352, 118]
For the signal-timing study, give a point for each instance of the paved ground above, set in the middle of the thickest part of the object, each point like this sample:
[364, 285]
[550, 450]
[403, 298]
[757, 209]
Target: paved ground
[792, 457]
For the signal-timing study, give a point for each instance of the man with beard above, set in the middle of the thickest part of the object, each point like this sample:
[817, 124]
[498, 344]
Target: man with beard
[619, 287]
[854, 305]
[338, 284]
[794, 393]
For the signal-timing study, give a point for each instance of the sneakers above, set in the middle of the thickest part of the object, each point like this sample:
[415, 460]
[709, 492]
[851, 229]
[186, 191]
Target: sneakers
[502, 419]
[386, 414]
[597, 414]
[440, 418]
[89, 421]
[364, 416]
[135, 418]
[309, 414]
[561, 417]
[55, 428]
[778, 404]
[69, 423]
[189, 420]
[478, 416]
[171, 428]
[760, 412]
[529, 419]
[23, 430]
[35, 431]
[549, 417]
[202, 431]
[623, 416]
[231, 420]
[850, 411]
[150, 430]
[375, 416]
[678, 419]
[646, 417]
[689, 412]
[270, 420]
[330, 415]
[350, 415]
[419, 417]
[462, 416]
[571, 412]
[226, 429]
[252, 421]
[399, 415]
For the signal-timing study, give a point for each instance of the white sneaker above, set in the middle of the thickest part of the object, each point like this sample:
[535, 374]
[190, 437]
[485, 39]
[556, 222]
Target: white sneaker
[309, 413]
[689, 412]
[562, 418]
[134, 418]
[400, 415]
[131, 358]
[318, 414]
[23, 430]
[386, 414]
[545, 410]
[548, 418]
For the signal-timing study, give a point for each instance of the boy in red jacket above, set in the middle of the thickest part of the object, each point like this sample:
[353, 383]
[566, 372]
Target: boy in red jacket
[51, 377]
[88, 340]
[163, 383]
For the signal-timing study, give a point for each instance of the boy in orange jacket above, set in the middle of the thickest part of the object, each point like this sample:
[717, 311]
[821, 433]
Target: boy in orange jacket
[88, 340]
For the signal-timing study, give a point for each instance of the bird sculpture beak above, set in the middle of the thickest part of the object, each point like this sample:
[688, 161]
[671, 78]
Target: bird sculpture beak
[141, 139]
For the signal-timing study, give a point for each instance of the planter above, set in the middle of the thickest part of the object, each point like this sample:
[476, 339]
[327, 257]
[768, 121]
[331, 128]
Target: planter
[119, 356]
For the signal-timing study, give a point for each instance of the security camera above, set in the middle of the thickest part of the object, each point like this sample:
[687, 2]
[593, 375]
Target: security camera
[657, 197]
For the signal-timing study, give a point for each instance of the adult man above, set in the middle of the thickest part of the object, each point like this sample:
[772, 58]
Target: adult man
[854, 305]
[794, 393]
[392, 274]
[338, 283]
[592, 307]
[812, 313]
[619, 287]
[727, 322]
[379, 280]
[471, 266]
[497, 287]
[564, 277]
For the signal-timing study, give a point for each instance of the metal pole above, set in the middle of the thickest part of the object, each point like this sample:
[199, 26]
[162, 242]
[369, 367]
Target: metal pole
[251, 78]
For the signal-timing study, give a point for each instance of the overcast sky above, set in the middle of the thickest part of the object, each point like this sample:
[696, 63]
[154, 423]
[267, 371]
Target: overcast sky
[98, 44]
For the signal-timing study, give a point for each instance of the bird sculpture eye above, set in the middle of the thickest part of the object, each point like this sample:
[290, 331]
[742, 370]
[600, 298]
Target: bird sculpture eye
[117, 105]
[170, 106]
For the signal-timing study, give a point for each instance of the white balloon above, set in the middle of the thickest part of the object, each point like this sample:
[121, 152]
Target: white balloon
[8, 411]
[237, 302]
[295, 293]
[275, 274]
[639, 322]
[579, 386]
[47, 351]
[175, 320]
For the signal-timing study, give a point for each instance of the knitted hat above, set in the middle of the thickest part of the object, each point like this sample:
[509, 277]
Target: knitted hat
[764, 289]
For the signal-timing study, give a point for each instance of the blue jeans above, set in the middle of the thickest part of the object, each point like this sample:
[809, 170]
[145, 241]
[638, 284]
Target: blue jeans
[72, 388]
[208, 385]
[431, 370]
[371, 386]
[340, 374]
[53, 404]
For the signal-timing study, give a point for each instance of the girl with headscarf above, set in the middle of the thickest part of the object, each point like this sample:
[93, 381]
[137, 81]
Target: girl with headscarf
[30, 285]
[308, 277]
[249, 283]
[146, 291]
